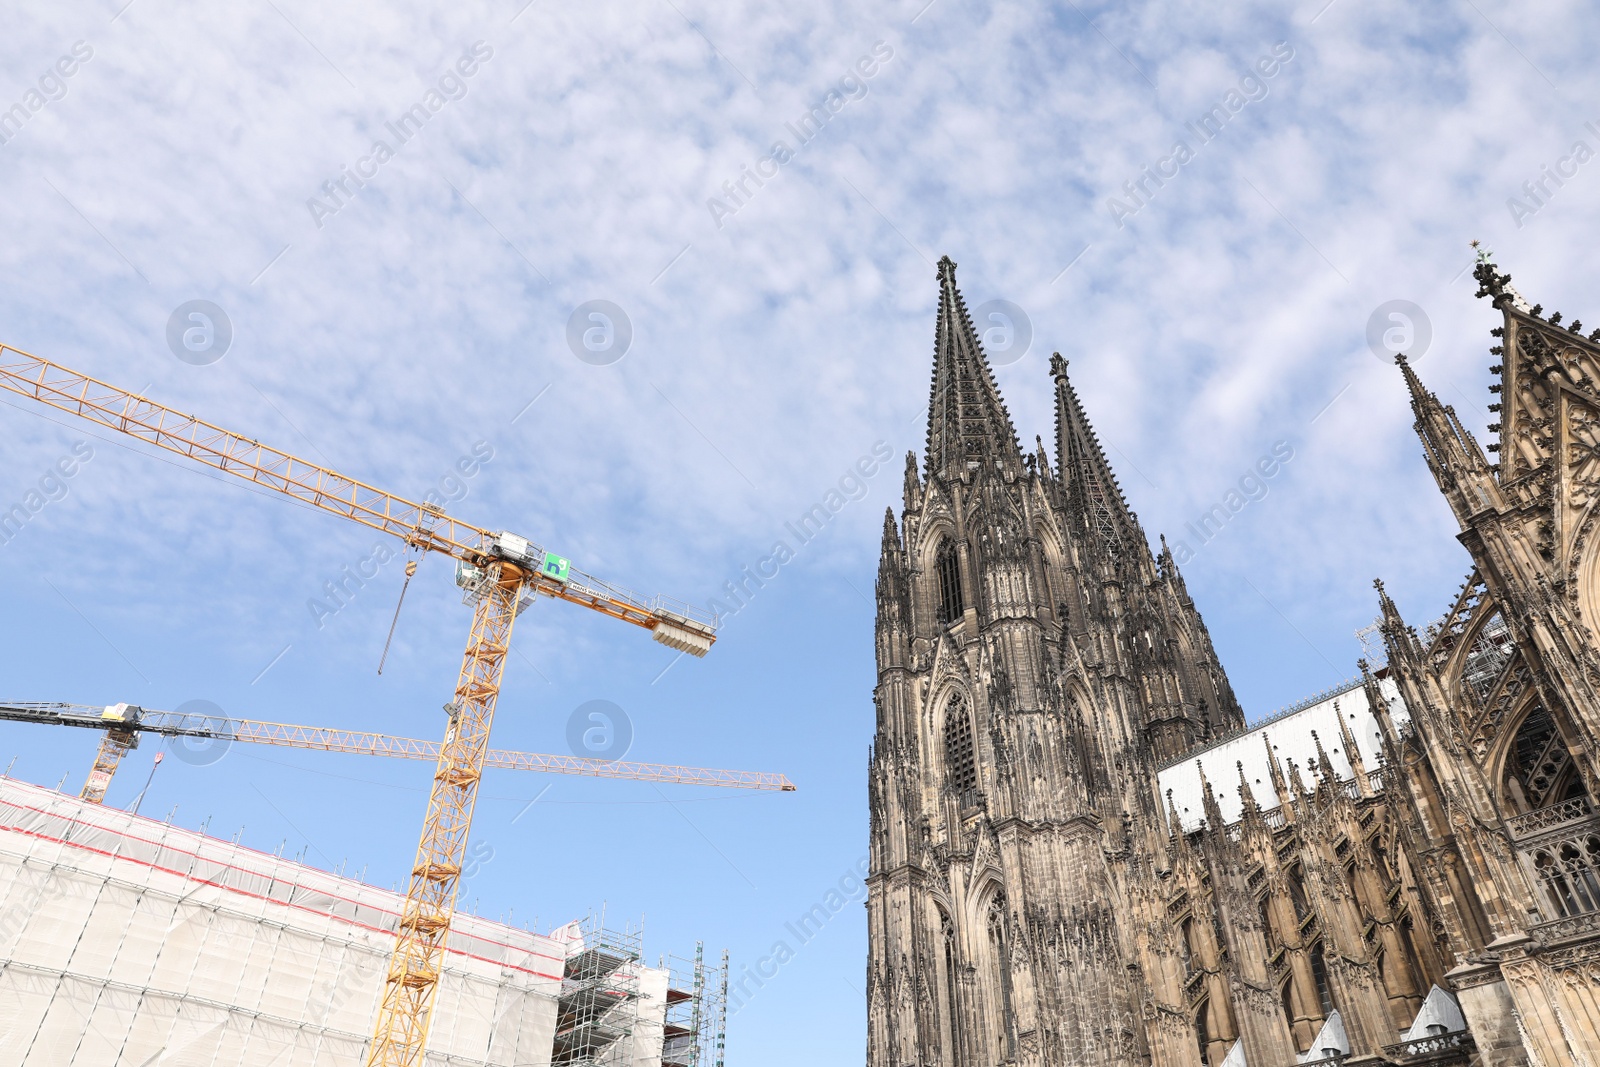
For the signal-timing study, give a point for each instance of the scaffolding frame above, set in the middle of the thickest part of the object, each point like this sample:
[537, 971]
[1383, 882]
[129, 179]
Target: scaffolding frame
[599, 1006]
[695, 1030]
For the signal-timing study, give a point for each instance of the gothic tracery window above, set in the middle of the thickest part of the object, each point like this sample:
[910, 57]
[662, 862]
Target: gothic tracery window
[960, 762]
[1569, 871]
[1539, 772]
[1297, 892]
[952, 980]
[947, 568]
[1319, 973]
[1202, 1029]
[1000, 959]
[1267, 929]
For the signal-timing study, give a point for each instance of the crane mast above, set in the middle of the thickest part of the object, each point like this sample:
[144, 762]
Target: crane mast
[407, 999]
[497, 569]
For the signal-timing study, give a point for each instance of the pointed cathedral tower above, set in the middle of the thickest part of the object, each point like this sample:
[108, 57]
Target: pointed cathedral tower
[1036, 664]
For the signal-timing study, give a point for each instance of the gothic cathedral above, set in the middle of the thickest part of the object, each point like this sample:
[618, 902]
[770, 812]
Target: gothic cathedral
[1082, 855]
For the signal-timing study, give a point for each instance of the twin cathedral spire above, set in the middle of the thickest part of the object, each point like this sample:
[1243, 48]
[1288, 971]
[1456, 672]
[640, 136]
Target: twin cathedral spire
[970, 430]
[1036, 663]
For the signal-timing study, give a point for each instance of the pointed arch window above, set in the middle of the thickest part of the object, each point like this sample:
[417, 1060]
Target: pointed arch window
[1380, 862]
[947, 569]
[1202, 1029]
[1540, 772]
[960, 761]
[1000, 958]
[1319, 973]
[1267, 929]
[1297, 892]
[953, 1029]
[1286, 996]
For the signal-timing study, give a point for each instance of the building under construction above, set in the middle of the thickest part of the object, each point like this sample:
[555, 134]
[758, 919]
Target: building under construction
[128, 941]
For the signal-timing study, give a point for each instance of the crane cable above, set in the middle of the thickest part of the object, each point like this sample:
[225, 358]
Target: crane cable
[411, 568]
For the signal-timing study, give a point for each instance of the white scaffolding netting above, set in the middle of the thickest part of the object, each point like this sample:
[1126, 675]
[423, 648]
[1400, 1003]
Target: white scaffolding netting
[126, 942]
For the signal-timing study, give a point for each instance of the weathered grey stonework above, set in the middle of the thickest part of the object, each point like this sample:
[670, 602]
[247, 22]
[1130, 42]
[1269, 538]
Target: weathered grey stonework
[1032, 901]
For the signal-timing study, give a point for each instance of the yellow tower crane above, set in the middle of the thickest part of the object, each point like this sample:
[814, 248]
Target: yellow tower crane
[127, 721]
[497, 571]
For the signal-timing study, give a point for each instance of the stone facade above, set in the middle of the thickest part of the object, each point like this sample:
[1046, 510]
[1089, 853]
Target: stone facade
[1037, 898]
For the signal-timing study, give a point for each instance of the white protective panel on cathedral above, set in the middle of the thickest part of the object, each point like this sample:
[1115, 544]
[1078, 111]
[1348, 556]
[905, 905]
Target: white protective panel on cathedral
[1293, 736]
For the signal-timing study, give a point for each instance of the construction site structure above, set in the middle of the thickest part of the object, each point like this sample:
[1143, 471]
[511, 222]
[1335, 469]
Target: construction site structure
[123, 723]
[696, 1011]
[601, 990]
[500, 573]
[125, 940]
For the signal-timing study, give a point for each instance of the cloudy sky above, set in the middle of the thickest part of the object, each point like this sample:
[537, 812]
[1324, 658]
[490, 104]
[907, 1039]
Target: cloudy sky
[775, 333]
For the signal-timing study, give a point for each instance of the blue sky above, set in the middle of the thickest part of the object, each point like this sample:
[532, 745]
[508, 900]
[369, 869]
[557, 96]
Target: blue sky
[772, 347]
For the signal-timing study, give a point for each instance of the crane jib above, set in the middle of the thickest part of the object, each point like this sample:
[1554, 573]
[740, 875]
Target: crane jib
[676, 624]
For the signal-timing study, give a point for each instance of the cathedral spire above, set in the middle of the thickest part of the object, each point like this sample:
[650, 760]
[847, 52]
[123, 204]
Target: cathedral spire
[891, 536]
[968, 425]
[1208, 798]
[1401, 642]
[1297, 785]
[1536, 360]
[1179, 838]
[1247, 796]
[1324, 764]
[1083, 470]
[1352, 753]
[1452, 453]
[894, 598]
[1279, 785]
[1380, 709]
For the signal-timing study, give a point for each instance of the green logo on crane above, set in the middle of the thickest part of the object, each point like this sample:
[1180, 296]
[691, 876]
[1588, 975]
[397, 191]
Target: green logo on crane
[555, 567]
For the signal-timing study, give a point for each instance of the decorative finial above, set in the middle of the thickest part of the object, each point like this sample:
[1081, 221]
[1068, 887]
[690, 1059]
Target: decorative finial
[1058, 366]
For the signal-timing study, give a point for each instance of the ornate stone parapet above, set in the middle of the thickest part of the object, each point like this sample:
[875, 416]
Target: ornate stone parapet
[1557, 816]
[1569, 928]
[1435, 1049]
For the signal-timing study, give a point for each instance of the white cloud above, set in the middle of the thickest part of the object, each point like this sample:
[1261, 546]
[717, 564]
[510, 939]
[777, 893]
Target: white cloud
[1223, 317]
